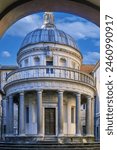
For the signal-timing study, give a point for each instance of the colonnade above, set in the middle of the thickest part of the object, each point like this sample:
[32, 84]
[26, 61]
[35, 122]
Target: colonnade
[89, 114]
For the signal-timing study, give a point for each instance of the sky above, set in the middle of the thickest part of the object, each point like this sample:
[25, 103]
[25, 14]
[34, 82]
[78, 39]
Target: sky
[85, 33]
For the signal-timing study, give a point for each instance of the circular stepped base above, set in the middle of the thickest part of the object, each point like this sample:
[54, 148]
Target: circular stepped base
[54, 139]
[50, 146]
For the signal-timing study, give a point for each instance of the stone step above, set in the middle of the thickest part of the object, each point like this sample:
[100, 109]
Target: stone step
[47, 145]
[3, 148]
[38, 148]
[51, 147]
[77, 146]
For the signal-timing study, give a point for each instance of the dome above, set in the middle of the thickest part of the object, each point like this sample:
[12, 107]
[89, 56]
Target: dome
[48, 34]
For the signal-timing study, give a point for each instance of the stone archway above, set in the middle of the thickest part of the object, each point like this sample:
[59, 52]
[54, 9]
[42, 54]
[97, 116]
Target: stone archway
[88, 9]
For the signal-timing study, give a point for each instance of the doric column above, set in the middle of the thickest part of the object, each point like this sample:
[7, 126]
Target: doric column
[88, 116]
[60, 113]
[78, 114]
[7, 116]
[92, 117]
[21, 115]
[95, 116]
[39, 113]
[11, 124]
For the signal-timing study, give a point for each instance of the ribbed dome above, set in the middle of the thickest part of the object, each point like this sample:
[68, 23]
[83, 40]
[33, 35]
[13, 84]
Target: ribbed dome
[48, 34]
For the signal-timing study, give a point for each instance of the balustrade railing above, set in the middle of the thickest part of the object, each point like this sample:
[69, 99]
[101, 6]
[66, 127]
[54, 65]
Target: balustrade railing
[50, 72]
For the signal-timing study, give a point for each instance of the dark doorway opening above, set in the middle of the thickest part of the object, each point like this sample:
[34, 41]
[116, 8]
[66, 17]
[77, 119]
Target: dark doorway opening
[50, 121]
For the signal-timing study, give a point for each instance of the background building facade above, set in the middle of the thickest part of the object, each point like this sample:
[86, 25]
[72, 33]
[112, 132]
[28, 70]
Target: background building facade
[96, 73]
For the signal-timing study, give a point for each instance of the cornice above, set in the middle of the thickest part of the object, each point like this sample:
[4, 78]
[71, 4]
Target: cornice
[27, 51]
[21, 81]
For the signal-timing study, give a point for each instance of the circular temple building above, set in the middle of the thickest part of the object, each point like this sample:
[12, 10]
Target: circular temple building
[48, 97]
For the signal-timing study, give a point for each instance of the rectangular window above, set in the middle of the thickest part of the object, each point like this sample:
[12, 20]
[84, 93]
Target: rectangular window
[26, 62]
[27, 114]
[49, 70]
[84, 130]
[4, 127]
[72, 114]
[84, 106]
[49, 63]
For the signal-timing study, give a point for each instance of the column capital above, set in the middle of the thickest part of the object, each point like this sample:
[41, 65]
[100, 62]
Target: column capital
[93, 99]
[60, 91]
[39, 91]
[21, 93]
[88, 97]
[77, 94]
[10, 96]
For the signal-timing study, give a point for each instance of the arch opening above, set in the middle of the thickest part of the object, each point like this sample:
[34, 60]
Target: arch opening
[16, 11]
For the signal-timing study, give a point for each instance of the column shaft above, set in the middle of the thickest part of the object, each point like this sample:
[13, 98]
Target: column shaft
[21, 115]
[78, 114]
[7, 116]
[11, 124]
[39, 114]
[88, 117]
[92, 117]
[60, 113]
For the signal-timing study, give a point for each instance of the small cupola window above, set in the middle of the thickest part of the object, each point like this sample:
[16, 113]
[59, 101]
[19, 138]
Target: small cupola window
[63, 62]
[49, 64]
[73, 64]
[36, 60]
[26, 62]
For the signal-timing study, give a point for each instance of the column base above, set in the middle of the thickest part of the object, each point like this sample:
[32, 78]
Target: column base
[40, 135]
[89, 135]
[9, 135]
[60, 135]
[24, 139]
[61, 138]
[78, 135]
[22, 134]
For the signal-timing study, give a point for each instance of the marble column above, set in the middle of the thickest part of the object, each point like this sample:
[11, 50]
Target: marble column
[60, 113]
[39, 113]
[92, 117]
[88, 116]
[21, 115]
[7, 116]
[11, 117]
[78, 114]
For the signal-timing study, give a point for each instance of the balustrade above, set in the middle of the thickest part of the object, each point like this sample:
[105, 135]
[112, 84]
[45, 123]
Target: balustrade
[53, 72]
